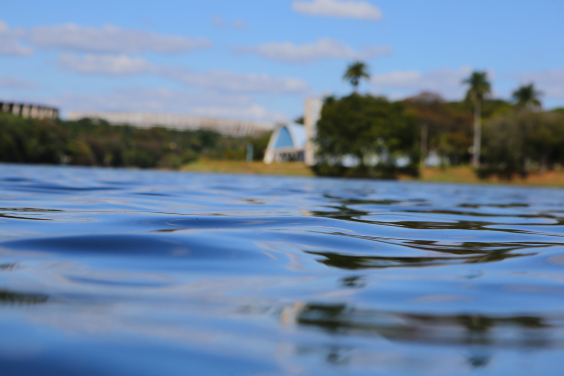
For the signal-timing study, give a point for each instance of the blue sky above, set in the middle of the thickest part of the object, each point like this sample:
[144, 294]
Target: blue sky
[259, 60]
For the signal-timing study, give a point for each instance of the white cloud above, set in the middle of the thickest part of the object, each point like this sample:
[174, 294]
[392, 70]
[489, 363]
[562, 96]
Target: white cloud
[446, 82]
[206, 103]
[9, 44]
[322, 49]
[335, 8]
[15, 83]
[550, 82]
[252, 112]
[235, 82]
[105, 64]
[237, 24]
[109, 39]
[123, 65]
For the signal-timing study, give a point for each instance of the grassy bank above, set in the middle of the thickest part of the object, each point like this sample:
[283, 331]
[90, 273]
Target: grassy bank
[242, 167]
[459, 174]
[465, 174]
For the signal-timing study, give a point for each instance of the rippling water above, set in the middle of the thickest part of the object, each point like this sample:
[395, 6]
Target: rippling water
[119, 272]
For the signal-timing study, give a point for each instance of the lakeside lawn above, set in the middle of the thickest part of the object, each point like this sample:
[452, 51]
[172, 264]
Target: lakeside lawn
[243, 167]
[465, 174]
[458, 174]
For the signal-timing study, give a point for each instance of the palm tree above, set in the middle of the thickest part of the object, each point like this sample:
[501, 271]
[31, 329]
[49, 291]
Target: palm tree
[527, 97]
[356, 72]
[479, 88]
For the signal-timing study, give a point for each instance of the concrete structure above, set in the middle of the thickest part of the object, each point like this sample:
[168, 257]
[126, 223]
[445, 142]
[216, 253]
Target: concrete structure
[287, 143]
[179, 122]
[29, 110]
[311, 117]
[295, 142]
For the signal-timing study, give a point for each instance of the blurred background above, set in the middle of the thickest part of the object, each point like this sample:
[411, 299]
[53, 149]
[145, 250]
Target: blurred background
[255, 63]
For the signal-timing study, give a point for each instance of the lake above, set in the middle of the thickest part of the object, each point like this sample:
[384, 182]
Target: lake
[125, 272]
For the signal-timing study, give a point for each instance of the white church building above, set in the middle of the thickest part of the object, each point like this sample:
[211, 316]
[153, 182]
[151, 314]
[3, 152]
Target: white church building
[287, 143]
[295, 142]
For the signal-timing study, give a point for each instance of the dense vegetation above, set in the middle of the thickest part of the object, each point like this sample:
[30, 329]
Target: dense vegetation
[523, 141]
[449, 125]
[362, 135]
[357, 135]
[366, 136]
[375, 134]
[89, 143]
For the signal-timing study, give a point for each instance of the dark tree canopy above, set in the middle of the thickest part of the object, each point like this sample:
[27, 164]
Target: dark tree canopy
[528, 97]
[522, 142]
[355, 72]
[479, 87]
[369, 129]
[449, 125]
[97, 143]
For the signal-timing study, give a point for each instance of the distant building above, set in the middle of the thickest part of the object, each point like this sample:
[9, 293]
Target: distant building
[29, 110]
[295, 142]
[178, 122]
[312, 115]
[287, 143]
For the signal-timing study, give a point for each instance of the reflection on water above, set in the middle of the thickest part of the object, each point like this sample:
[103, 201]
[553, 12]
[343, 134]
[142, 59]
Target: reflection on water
[140, 272]
[8, 297]
[361, 262]
[463, 329]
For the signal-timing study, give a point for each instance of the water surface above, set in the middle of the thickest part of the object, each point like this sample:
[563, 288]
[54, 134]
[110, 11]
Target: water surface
[120, 272]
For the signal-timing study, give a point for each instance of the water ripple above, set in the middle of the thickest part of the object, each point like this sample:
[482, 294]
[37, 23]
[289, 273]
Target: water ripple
[107, 271]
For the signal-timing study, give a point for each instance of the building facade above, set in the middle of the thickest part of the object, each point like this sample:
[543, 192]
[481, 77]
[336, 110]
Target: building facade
[29, 110]
[312, 115]
[286, 144]
[225, 127]
[296, 142]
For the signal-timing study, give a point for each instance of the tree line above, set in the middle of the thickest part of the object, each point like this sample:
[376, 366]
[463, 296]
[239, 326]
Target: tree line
[358, 135]
[365, 135]
[97, 143]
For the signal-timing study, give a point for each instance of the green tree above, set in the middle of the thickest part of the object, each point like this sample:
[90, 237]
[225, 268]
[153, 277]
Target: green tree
[527, 97]
[371, 130]
[448, 126]
[479, 88]
[522, 142]
[355, 72]
[97, 143]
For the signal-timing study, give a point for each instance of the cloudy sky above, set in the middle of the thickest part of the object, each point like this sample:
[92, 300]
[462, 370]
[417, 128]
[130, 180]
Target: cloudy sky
[257, 59]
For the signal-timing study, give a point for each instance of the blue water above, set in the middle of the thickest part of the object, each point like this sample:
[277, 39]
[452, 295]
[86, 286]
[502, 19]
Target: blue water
[122, 272]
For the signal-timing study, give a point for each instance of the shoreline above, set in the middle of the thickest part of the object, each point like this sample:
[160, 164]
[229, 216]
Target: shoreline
[457, 174]
[449, 175]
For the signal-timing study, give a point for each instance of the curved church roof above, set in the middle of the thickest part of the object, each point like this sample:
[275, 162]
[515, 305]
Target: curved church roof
[286, 138]
[289, 136]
